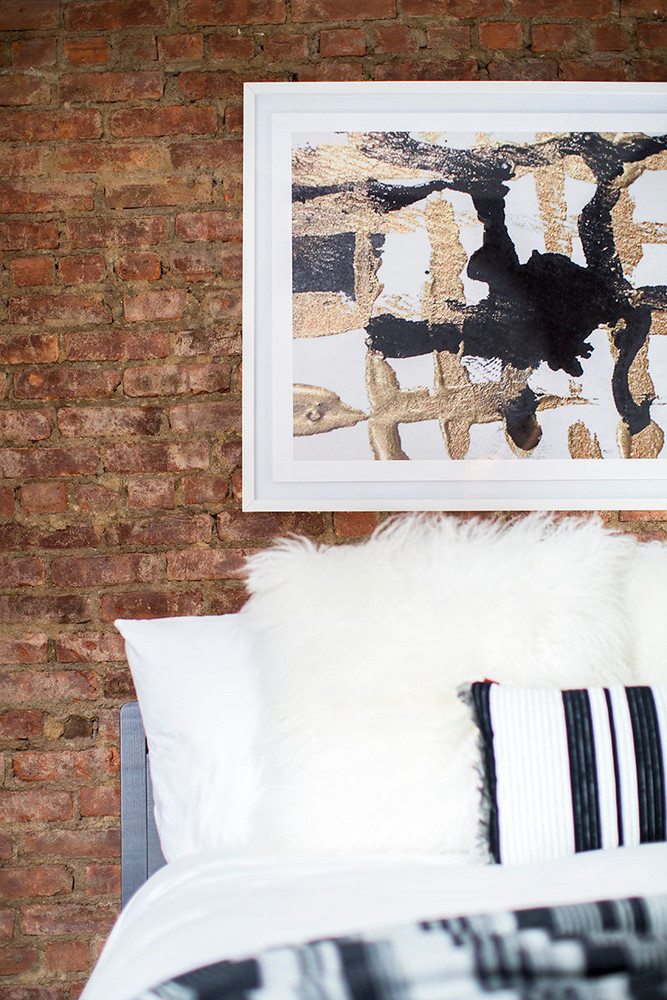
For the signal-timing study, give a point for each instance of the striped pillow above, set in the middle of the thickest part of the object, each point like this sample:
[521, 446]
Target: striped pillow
[570, 771]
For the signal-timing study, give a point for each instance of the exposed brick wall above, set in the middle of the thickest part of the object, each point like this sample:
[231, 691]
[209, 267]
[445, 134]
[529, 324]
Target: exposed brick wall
[120, 227]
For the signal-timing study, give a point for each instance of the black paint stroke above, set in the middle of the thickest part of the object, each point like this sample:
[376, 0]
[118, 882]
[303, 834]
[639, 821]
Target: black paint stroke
[324, 263]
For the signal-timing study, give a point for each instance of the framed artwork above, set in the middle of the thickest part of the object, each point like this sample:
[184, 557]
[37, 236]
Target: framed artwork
[455, 296]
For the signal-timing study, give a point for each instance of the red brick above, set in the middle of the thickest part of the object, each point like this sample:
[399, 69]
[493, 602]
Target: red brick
[197, 265]
[177, 120]
[197, 85]
[567, 8]
[151, 605]
[22, 571]
[450, 40]
[81, 270]
[103, 571]
[102, 880]
[329, 71]
[523, 69]
[138, 267]
[234, 118]
[207, 154]
[209, 226]
[25, 271]
[72, 537]
[65, 383]
[231, 46]
[20, 724]
[53, 765]
[29, 235]
[49, 126]
[217, 342]
[205, 489]
[95, 421]
[7, 501]
[108, 720]
[223, 304]
[89, 647]
[100, 801]
[172, 48]
[241, 526]
[209, 564]
[34, 53]
[611, 38]
[116, 345]
[173, 529]
[101, 232]
[51, 920]
[44, 498]
[25, 610]
[611, 69]
[99, 499]
[111, 87]
[30, 463]
[547, 37]
[188, 418]
[29, 649]
[114, 157]
[16, 960]
[156, 457]
[342, 42]
[21, 162]
[60, 844]
[16, 537]
[146, 492]
[342, 10]
[169, 191]
[58, 310]
[652, 36]
[45, 196]
[45, 880]
[35, 807]
[86, 51]
[67, 956]
[641, 7]
[26, 348]
[394, 38]
[29, 15]
[455, 69]
[141, 48]
[110, 15]
[354, 524]
[173, 380]
[208, 12]
[21, 89]
[69, 686]
[154, 305]
[649, 70]
[7, 917]
[285, 47]
[118, 685]
[469, 8]
[501, 35]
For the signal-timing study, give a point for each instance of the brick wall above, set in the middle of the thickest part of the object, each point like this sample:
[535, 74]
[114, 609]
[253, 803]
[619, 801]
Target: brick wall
[120, 228]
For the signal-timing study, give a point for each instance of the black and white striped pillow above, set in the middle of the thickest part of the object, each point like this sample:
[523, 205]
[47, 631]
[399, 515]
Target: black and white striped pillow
[570, 771]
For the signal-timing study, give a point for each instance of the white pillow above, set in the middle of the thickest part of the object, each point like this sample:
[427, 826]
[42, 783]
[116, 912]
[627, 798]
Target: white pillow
[196, 684]
[365, 744]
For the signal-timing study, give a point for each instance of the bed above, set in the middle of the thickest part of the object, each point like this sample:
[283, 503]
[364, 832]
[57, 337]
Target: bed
[385, 781]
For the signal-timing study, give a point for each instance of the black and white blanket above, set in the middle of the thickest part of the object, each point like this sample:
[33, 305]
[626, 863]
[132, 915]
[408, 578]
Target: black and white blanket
[591, 951]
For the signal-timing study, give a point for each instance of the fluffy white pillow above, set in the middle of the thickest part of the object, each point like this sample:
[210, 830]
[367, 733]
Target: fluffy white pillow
[365, 744]
[196, 684]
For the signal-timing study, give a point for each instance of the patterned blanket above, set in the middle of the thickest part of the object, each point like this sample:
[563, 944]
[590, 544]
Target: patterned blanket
[591, 951]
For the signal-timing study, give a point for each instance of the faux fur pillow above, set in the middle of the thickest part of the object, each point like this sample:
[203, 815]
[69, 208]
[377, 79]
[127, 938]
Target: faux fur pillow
[366, 745]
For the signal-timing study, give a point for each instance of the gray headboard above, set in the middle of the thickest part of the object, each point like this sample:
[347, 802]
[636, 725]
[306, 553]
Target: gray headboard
[139, 845]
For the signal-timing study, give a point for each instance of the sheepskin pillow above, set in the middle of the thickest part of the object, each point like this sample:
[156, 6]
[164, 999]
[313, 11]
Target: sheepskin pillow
[365, 744]
[570, 771]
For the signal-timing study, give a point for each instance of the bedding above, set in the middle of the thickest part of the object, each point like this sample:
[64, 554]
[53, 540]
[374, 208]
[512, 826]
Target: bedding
[215, 907]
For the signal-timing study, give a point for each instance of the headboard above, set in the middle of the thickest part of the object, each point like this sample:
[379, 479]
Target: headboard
[140, 850]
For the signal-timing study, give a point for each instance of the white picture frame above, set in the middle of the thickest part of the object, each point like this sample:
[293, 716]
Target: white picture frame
[276, 475]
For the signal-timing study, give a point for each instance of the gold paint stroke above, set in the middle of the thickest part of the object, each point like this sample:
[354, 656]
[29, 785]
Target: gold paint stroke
[318, 410]
[580, 442]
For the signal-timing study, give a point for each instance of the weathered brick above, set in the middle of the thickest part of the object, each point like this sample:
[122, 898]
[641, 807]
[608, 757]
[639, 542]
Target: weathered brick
[209, 226]
[219, 342]
[105, 232]
[188, 418]
[16, 960]
[197, 85]
[234, 118]
[116, 345]
[25, 610]
[342, 10]
[71, 537]
[6, 915]
[154, 305]
[89, 647]
[110, 15]
[29, 463]
[113, 157]
[118, 685]
[25, 271]
[73, 843]
[53, 765]
[34, 806]
[235, 525]
[652, 35]
[609, 69]
[44, 498]
[49, 126]
[102, 880]
[172, 48]
[67, 956]
[173, 380]
[27, 348]
[103, 571]
[228, 600]
[29, 15]
[137, 266]
[568, 8]
[20, 89]
[87, 498]
[209, 12]
[207, 154]
[6, 501]
[175, 529]
[329, 70]
[100, 801]
[45, 196]
[501, 35]
[21, 571]
[284, 47]
[95, 421]
[197, 265]
[396, 38]
[649, 70]
[168, 191]
[34, 53]
[51, 920]
[25, 162]
[231, 46]
[81, 270]
[177, 120]
[86, 51]
[223, 304]
[29, 235]
[139, 48]
[20, 724]
[28, 649]
[111, 87]
[156, 457]
[65, 383]
[209, 564]
[206, 488]
[630, 8]
[58, 310]
[44, 880]
[548, 37]
[147, 492]
[342, 42]
[454, 69]
[151, 605]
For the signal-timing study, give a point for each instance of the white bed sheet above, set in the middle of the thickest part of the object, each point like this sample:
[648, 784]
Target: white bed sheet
[210, 906]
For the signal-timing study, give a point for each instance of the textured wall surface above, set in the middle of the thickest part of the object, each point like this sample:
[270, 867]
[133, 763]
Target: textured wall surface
[120, 228]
